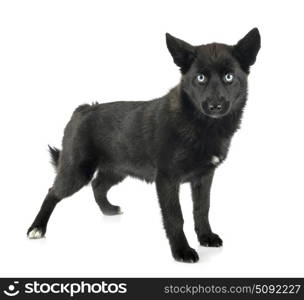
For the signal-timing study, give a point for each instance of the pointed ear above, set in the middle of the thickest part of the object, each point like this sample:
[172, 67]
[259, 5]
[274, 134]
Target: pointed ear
[183, 53]
[247, 49]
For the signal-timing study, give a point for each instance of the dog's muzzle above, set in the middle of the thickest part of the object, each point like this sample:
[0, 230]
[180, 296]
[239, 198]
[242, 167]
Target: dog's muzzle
[215, 108]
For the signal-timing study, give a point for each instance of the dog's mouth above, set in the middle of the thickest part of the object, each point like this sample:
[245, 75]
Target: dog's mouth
[215, 110]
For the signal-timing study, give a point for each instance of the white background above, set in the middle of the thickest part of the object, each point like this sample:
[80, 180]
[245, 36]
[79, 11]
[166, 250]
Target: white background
[55, 55]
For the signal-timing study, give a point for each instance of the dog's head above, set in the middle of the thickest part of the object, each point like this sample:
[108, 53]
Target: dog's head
[215, 75]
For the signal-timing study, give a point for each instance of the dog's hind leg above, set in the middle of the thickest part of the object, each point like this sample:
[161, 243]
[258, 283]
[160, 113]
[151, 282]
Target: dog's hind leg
[68, 181]
[101, 185]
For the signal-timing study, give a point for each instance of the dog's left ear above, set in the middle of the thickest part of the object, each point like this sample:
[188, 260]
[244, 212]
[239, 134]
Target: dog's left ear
[247, 49]
[183, 53]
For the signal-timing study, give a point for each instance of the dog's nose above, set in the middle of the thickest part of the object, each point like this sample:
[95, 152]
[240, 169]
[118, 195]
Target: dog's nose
[215, 107]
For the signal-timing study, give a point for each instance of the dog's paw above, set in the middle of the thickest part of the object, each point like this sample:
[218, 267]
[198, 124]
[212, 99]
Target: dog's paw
[188, 255]
[35, 233]
[210, 240]
[112, 210]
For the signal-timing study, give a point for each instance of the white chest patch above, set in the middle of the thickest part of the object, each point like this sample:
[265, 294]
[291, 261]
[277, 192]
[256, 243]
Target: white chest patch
[215, 160]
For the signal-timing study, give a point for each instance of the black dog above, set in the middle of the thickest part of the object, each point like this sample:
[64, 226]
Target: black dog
[181, 137]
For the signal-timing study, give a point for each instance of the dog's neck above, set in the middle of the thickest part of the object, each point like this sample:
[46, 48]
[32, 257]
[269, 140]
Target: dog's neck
[226, 126]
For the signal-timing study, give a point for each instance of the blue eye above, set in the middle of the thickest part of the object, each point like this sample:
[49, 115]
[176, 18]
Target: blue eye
[228, 77]
[201, 78]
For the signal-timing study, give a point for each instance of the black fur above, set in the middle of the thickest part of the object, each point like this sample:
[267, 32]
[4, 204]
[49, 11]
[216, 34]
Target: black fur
[180, 137]
[55, 153]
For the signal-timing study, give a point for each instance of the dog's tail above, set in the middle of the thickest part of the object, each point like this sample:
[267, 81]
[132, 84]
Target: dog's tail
[55, 154]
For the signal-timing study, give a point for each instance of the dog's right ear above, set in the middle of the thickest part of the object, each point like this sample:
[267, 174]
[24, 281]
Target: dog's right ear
[183, 53]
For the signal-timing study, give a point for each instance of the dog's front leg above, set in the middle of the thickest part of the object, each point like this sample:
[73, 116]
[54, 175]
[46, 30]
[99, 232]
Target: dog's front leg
[200, 188]
[168, 190]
